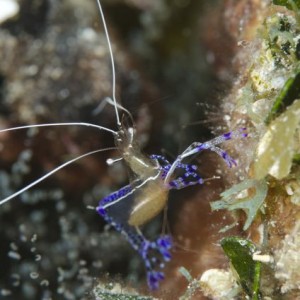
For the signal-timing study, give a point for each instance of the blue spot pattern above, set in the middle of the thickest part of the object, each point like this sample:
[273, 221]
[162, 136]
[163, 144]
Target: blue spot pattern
[154, 253]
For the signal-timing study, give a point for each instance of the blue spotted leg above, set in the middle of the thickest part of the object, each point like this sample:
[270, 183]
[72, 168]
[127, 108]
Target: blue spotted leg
[197, 147]
[183, 180]
[154, 253]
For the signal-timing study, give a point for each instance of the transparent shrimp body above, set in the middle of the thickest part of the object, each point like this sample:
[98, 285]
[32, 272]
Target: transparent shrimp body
[150, 192]
[147, 195]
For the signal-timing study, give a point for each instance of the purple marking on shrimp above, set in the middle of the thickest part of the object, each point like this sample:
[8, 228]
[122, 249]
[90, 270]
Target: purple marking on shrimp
[227, 135]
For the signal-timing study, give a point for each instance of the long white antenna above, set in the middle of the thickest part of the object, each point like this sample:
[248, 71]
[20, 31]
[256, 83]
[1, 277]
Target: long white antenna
[60, 124]
[112, 63]
[27, 187]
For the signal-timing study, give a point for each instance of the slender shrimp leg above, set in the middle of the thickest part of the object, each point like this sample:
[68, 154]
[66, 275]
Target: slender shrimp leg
[181, 181]
[115, 209]
[190, 177]
[197, 147]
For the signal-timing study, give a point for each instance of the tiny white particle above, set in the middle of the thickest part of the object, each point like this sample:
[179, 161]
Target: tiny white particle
[44, 282]
[14, 255]
[34, 238]
[5, 292]
[13, 246]
[38, 257]
[34, 275]
[9, 8]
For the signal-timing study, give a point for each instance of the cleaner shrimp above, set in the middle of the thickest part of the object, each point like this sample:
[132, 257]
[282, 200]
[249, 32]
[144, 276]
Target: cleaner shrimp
[153, 177]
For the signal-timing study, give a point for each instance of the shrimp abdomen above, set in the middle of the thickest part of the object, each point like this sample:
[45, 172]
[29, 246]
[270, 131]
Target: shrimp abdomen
[149, 203]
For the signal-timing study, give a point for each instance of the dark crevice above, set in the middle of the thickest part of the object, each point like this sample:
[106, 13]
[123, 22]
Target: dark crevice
[32, 19]
[4, 110]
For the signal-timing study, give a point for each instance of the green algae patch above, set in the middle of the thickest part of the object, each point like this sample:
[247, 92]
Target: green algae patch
[234, 198]
[276, 148]
[240, 253]
[290, 4]
[286, 97]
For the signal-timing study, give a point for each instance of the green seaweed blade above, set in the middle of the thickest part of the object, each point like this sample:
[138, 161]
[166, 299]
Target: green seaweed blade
[240, 252]
[286, 97]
